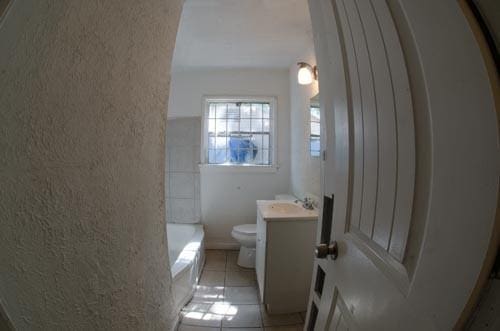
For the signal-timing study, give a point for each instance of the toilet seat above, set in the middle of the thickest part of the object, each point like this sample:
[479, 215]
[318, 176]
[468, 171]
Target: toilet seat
[246, 229]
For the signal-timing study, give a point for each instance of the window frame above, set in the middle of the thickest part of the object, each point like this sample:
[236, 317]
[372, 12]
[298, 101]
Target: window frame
[273, 143]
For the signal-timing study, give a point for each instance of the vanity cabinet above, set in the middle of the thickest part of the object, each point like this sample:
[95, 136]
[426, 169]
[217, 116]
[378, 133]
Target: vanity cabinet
[284, 261]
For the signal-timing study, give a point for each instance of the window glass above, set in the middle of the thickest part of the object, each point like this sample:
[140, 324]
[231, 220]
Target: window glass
[239, 133]
[315, 131]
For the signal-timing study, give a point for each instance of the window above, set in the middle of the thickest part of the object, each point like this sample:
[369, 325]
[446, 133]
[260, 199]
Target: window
[314, 136]
[239, 131]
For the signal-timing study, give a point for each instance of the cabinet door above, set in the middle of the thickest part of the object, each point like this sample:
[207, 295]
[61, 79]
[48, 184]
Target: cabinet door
[260, 257]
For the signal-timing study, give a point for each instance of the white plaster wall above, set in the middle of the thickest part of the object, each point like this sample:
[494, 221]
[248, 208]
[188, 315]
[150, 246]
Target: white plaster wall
[228, 198]
[305, 174]
[83, 96]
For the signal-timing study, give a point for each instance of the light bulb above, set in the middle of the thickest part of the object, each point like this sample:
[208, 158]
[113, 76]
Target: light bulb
[305, 75]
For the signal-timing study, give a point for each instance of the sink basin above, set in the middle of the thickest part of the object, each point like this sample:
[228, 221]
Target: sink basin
[284, 210]
[286, 207]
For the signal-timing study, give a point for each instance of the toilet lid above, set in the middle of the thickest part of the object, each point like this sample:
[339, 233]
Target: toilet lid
[246, 228]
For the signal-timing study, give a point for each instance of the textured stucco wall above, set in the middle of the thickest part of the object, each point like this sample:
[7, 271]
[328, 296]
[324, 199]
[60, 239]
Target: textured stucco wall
[83, 97]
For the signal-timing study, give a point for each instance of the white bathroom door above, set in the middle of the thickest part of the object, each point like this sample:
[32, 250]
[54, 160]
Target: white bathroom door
[403, 256]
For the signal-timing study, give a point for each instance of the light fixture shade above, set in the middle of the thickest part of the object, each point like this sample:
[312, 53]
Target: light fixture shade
[305, 76]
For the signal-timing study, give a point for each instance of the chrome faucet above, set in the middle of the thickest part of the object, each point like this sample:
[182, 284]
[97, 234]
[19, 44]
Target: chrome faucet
[307, 203]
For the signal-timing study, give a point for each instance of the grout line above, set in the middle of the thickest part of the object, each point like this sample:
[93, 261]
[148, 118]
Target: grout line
[224, 290]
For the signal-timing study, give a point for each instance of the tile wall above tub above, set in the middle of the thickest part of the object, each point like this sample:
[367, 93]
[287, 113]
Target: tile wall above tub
[183, 177]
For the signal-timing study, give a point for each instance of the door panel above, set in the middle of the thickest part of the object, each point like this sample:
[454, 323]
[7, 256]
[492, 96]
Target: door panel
[365, 49]
[382, 126]
[340, 318]
[372, 170]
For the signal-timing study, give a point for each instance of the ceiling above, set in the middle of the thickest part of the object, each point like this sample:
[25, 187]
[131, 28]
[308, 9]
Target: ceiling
[243, 34]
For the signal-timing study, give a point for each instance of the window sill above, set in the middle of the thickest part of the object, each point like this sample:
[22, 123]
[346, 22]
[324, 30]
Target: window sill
[232, 168]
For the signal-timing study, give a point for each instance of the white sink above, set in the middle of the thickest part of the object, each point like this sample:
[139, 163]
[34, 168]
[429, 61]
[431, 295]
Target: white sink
[285, 210]
[285, 207]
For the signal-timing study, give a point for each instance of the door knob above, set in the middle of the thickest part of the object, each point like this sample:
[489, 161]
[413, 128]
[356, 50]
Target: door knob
[323, 250]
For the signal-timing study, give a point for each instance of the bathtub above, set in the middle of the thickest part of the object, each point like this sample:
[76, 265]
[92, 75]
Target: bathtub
[186, 254]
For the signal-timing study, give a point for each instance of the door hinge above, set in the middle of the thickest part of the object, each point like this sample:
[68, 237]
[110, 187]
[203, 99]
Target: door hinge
[324, 155]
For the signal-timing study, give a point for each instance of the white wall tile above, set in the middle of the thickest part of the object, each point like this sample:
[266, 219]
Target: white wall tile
[182, 132]
[182, 180]
[181, 185]
[197, 210]
[169, 210]
[196, 158]
[182, 210]
[181, 159]
[197, 186]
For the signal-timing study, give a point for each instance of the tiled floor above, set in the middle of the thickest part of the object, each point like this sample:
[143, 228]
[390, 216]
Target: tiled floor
[227, 299]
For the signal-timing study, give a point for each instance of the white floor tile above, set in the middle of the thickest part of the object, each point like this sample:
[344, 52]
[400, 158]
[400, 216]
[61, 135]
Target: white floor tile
[184, 327]
[197, 306]
[242, 329]
[215, 261]
[279, 319]
[208, 294]
[217, 253]
[242, 316]
[241, 295]
[212, 278]
[298, 327]
[241, 278]
[201, 318]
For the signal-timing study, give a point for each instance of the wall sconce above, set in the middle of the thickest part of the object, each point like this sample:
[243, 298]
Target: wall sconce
[307, 73]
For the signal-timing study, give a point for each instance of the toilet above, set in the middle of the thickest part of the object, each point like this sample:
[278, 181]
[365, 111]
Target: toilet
[245, 234]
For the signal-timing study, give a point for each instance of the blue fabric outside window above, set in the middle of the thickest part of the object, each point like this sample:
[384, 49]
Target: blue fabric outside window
[240, 149]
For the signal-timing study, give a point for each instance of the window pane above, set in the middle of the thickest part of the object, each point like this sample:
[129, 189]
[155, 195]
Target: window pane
[256, 157]
[265, 157]
[248, 155]
[233, 126]
[221, 143]
[220, 156]
[256, 125]
[211, 143]
[315, 114]
[211, 110]
[211, 126]
[233, 110]
[266, 125]
[315, 128]
[256, 110]
[245, 110]
[211, 156]
[245, 125]
[220, 127]
[266, 110]
[257, 140]
[221, 110]
[315, 146]
[265, 141]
